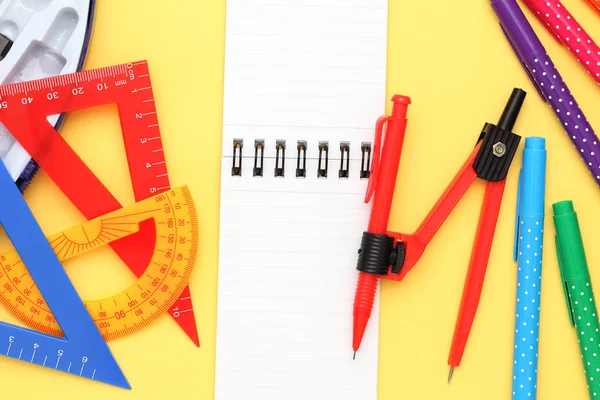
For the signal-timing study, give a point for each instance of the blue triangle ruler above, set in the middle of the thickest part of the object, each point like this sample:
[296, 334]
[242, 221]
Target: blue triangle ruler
[82, 352]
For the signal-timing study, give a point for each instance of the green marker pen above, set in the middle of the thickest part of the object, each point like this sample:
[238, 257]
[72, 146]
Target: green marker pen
[578, 291]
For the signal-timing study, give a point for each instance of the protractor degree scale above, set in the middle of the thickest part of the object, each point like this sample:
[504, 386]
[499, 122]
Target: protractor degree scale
[128, 86]
[172, 217]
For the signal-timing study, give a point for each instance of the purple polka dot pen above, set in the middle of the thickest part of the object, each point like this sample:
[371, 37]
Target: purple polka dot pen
[548, 82]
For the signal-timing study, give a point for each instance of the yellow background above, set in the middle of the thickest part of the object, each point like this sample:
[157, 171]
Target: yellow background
[452, 59]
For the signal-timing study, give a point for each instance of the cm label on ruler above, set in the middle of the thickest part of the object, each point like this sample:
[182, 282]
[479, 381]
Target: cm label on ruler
[33, 99]
[143, 234]
[129, 87]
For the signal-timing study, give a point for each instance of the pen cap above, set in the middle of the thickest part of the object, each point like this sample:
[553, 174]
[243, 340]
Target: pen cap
[517, 28]
[533, 178]
[571, 254]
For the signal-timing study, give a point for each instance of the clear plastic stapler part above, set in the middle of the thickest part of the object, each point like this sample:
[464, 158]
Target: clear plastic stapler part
[40, 39]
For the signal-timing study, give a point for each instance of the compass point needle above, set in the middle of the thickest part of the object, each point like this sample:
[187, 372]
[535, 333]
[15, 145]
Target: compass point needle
[450, 374]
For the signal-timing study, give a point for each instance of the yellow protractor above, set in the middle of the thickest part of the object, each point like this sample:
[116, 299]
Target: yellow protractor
[154, 292]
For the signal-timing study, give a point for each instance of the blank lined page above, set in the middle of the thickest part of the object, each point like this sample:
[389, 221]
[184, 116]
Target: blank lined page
[304, 85]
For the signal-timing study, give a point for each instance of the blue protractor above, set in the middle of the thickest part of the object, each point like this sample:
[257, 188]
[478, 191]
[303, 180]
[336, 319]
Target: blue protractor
[82, 352]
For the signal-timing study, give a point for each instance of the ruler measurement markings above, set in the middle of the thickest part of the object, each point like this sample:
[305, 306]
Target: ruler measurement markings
[27, 87]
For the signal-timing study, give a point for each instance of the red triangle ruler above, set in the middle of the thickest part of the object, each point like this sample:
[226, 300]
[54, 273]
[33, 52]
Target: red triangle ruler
[24, 108]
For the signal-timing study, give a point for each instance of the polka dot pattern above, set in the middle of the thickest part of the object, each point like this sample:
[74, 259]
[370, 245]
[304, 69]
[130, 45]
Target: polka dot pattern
[568, 112]
[527, 313]
[568, 31]
[582, 301]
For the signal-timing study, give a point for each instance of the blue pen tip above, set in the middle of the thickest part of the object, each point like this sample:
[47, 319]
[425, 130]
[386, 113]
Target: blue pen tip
[535, 143]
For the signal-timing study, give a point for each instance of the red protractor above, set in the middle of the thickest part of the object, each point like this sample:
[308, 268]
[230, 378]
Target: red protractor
[23, 110]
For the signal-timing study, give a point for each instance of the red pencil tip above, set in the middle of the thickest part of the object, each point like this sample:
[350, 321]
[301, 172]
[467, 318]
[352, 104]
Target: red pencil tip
[360, 325]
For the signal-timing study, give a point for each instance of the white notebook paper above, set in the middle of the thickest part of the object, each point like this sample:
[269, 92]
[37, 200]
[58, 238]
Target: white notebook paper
[304, 85]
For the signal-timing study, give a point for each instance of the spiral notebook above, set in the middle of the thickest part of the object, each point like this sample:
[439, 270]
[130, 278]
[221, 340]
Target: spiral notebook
[304, 85]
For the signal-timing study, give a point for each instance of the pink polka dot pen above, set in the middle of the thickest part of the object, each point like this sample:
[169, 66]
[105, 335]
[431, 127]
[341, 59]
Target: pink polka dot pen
[563, 26]
[548, 82]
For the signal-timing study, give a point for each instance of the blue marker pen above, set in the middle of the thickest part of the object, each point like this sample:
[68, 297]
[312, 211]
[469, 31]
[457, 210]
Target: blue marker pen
[529, 233]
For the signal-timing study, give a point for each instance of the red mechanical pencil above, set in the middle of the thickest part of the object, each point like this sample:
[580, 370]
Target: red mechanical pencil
[390, 255]
[381, 184]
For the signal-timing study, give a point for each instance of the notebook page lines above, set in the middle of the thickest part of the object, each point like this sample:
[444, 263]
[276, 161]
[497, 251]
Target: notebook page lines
[304, 70]
[304, 85]
[285, 298]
